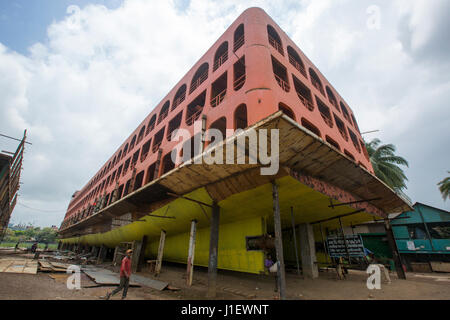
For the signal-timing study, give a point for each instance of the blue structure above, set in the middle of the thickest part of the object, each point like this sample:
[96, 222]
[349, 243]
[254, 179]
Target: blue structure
[423, 234]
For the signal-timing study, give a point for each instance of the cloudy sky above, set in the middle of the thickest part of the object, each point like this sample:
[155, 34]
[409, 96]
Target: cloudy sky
[81, 78]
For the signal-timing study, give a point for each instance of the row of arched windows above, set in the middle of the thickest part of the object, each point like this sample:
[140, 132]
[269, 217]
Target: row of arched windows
[343, 130]
[295, 60]
[220, 57]
[240, 122]
[306, 97]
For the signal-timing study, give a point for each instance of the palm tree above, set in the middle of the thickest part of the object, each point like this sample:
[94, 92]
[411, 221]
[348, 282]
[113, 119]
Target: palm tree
[445, 187]
[386, 164]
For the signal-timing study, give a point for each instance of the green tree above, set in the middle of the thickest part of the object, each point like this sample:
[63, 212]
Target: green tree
[444, 187]
[46, 235]
[386, 164]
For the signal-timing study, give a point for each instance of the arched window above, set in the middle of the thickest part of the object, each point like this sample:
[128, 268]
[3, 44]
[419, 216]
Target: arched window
[240, 117]
[219, 90]
[138, 181]
[167, 163]
[114, 161]
[151, 124]
[200, 75]
[345, 112]
[348, 154]
[280, 74]
[174, 124]
[324, 112]
[195, 108]
[133, 142]
[296, 61]
[126, 166]
[135, 158]
[354, 140]
[238, 37]
[308, 125]
[179, 96]
[286, 110]
[332, 98]
[303, 93]
[341, 127]
[274, 39]
[157, 140]
[239, 73]
[151, 173]
[332, 142]
[145, 149]
[141, 134]
[125, 150]
[315, 80]
[354, 122]
[221, 125]
[221, 55]
[164, 112]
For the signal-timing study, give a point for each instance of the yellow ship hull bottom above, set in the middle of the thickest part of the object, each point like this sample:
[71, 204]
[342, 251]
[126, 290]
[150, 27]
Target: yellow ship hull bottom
[248, 213]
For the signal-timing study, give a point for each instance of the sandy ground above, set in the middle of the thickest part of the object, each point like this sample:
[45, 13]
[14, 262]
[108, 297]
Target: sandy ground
[231, 285]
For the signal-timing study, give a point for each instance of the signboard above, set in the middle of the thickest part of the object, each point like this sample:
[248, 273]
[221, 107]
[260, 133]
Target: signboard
[337, 248]
[411, 246]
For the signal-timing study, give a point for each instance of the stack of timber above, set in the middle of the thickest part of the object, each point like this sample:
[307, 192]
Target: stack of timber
[47, 266]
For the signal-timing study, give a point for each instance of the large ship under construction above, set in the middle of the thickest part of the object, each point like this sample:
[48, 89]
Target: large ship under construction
[256, 79]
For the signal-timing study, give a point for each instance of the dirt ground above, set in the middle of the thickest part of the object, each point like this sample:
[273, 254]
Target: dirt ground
[230, 285]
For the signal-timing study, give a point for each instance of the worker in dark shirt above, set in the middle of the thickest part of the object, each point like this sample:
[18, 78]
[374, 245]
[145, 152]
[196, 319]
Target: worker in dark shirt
[125, 274]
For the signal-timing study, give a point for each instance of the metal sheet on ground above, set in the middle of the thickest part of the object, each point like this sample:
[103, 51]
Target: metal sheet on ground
[154, 284]
[105, 277]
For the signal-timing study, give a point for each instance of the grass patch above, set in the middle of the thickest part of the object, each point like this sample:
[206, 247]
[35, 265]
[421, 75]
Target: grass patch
[51, 246]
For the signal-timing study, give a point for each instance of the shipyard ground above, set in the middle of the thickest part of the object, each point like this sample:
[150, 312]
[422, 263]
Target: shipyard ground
[231, 285]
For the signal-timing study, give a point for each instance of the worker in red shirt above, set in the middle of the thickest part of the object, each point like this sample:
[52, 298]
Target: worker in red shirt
[125, 273]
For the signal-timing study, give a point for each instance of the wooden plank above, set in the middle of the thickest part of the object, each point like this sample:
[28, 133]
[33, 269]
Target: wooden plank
[191, 253]
[213, 251]
[281, 276]
[162, 241]
[440, 266]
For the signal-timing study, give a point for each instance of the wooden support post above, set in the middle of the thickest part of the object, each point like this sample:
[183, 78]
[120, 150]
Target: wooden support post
[393, 245]
[137, 247]
[426, 228]
[324, 244]
[116, 255]
[213, 251]
[141, 259]
[281, 274]
[162, 240]
[295, 240]
[190, 262]
[101, 254]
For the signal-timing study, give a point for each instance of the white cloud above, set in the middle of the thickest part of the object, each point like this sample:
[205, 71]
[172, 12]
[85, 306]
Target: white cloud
[101, 71]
